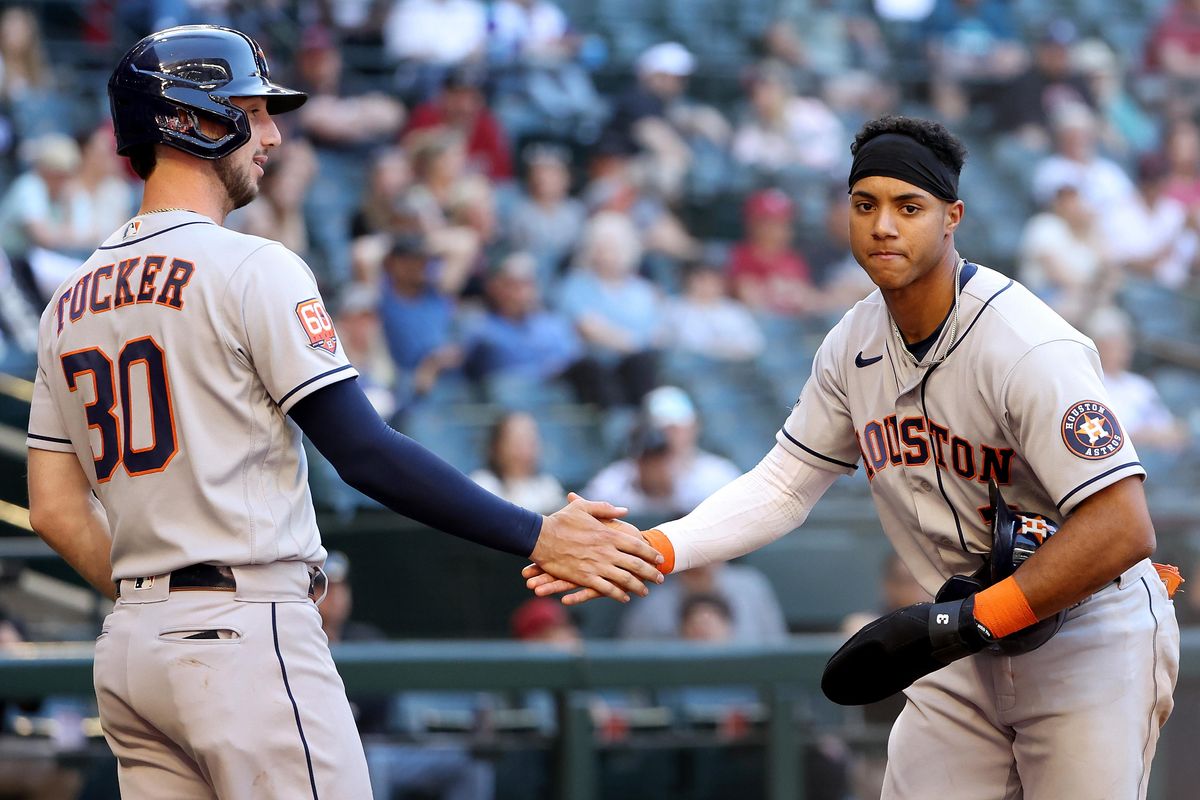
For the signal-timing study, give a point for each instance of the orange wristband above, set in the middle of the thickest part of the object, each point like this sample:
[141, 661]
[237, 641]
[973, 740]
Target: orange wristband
[659, 541]
[1003, 608]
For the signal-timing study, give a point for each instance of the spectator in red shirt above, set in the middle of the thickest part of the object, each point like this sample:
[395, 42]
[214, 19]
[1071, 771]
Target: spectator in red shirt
[462, 107]
[1174, 51]
[766, 273]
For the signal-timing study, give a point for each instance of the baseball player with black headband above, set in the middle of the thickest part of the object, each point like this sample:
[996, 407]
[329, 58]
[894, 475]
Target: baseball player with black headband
[1045, 666]
[177, 368]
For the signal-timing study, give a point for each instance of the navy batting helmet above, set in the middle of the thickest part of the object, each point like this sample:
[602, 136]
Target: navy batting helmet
[169, 77]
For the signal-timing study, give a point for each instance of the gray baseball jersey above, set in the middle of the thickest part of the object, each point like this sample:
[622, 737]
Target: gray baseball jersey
[1018, 399]
[168, 363]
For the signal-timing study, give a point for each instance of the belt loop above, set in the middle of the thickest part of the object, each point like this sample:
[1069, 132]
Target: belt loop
[324, 583]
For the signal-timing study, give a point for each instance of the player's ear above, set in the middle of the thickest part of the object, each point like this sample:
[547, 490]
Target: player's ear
[954, 215]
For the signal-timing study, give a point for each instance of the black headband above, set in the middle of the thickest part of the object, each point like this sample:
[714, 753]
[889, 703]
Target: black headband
[894, 155]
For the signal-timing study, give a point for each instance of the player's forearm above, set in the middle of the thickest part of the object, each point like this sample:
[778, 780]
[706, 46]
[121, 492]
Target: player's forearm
[79, 533]
[402, 475]
[1105, 535]
[767, 502]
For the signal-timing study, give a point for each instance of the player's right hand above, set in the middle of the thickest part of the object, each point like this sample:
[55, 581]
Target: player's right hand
[577, 546]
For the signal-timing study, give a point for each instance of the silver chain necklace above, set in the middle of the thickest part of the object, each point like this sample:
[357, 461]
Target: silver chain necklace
[951, 337]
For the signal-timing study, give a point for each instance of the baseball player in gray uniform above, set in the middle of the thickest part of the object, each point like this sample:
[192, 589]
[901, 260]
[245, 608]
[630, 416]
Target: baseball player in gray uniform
[177, 368]
[946, 380]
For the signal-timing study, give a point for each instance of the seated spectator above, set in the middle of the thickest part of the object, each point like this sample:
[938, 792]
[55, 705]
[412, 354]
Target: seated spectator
[18, 325]
[40, 212]
[547, 221]
[361, 335]
[644, 481]
[1181, 146]
[430, 37]
[1173, 51]
[972, 46]
[1104, 187]
[706, 618]
[655, 117]
[1135, 400]
[524, 31]
[513, 470]
[707, 322]
[381, 210]
[418, 318]
[1063, 259]
[617, 312]
[620, 182]
[766, 273]
[1161, 241]
[519, 340]
[545, 620]
[785, 131]
[278, 210]
[31, 104]
[439, 167]
[827, 39]
[1025, 106]
[841, 280]
[1127, 127]
[755, 615]
[322, 119]
[106, 193]
[461, 107]
[681, 480]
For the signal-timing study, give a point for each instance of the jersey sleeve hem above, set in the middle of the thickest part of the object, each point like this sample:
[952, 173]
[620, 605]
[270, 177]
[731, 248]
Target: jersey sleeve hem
[39, 442]
[1094, 484]
[314, 383]
[812, 457]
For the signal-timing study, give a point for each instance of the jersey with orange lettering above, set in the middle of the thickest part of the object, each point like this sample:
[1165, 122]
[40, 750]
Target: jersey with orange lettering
[180, 342]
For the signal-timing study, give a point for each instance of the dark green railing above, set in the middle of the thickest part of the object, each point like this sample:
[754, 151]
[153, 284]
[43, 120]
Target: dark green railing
[784, 674]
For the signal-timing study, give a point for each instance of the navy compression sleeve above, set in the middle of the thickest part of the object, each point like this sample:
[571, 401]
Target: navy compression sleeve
[401, 474]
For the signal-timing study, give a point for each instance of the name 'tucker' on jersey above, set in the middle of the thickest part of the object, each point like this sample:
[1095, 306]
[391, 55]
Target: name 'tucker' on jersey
[168, 362]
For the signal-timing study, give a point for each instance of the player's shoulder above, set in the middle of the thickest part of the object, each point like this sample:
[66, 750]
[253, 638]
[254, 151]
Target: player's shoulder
[1004, 310]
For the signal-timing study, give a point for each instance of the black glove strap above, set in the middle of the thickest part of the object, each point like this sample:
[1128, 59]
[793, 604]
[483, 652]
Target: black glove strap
[953, 632]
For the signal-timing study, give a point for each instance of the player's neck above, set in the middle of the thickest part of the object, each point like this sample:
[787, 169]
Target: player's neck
[920, 307]
[172, 185]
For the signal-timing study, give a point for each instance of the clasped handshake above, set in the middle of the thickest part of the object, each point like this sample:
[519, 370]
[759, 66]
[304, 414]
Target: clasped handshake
[587, 551]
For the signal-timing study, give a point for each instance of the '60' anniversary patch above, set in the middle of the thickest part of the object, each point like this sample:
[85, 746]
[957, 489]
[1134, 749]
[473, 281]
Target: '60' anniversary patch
[317, 325]
[1091, 430]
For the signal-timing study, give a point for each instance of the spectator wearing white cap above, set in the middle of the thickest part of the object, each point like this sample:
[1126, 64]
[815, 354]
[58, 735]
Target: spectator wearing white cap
[1104, 187]
[657, 120]
[1062, 256]
[695, 473]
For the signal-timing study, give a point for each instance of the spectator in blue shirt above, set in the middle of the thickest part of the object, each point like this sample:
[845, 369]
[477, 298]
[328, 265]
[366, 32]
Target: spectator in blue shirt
[517, 336]
[618, 313]
[418, 319]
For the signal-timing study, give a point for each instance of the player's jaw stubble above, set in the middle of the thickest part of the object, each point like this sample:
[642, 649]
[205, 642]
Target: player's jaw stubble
[239, 181]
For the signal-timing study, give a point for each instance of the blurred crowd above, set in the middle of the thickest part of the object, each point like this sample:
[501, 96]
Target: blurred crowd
[592, 246]
[520, 203]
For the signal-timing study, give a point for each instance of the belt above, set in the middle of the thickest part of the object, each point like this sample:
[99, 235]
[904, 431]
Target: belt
[216, 578]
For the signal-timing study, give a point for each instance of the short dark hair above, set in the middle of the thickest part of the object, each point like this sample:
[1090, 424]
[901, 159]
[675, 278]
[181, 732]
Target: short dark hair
[947, 147]
[143, 160]
[714, 601]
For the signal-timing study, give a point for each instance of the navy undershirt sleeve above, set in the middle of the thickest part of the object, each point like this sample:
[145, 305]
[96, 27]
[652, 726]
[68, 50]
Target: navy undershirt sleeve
[399, 473]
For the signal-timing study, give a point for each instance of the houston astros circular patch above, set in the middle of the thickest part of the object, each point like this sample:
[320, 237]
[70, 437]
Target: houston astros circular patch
[1091, 431]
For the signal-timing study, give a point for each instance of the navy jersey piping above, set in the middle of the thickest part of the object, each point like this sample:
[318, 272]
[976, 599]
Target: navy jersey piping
[156, 233]
[1092, 480]
[812, 452]
[284, 399]
[48, 438]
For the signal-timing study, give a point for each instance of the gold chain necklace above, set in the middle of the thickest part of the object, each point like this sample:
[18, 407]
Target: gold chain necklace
[164, 210]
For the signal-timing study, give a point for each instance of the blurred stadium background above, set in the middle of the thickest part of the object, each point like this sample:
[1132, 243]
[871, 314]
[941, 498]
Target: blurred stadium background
[542, 213]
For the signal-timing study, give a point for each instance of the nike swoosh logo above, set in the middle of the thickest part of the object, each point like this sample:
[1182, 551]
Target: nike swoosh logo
[861, 362]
